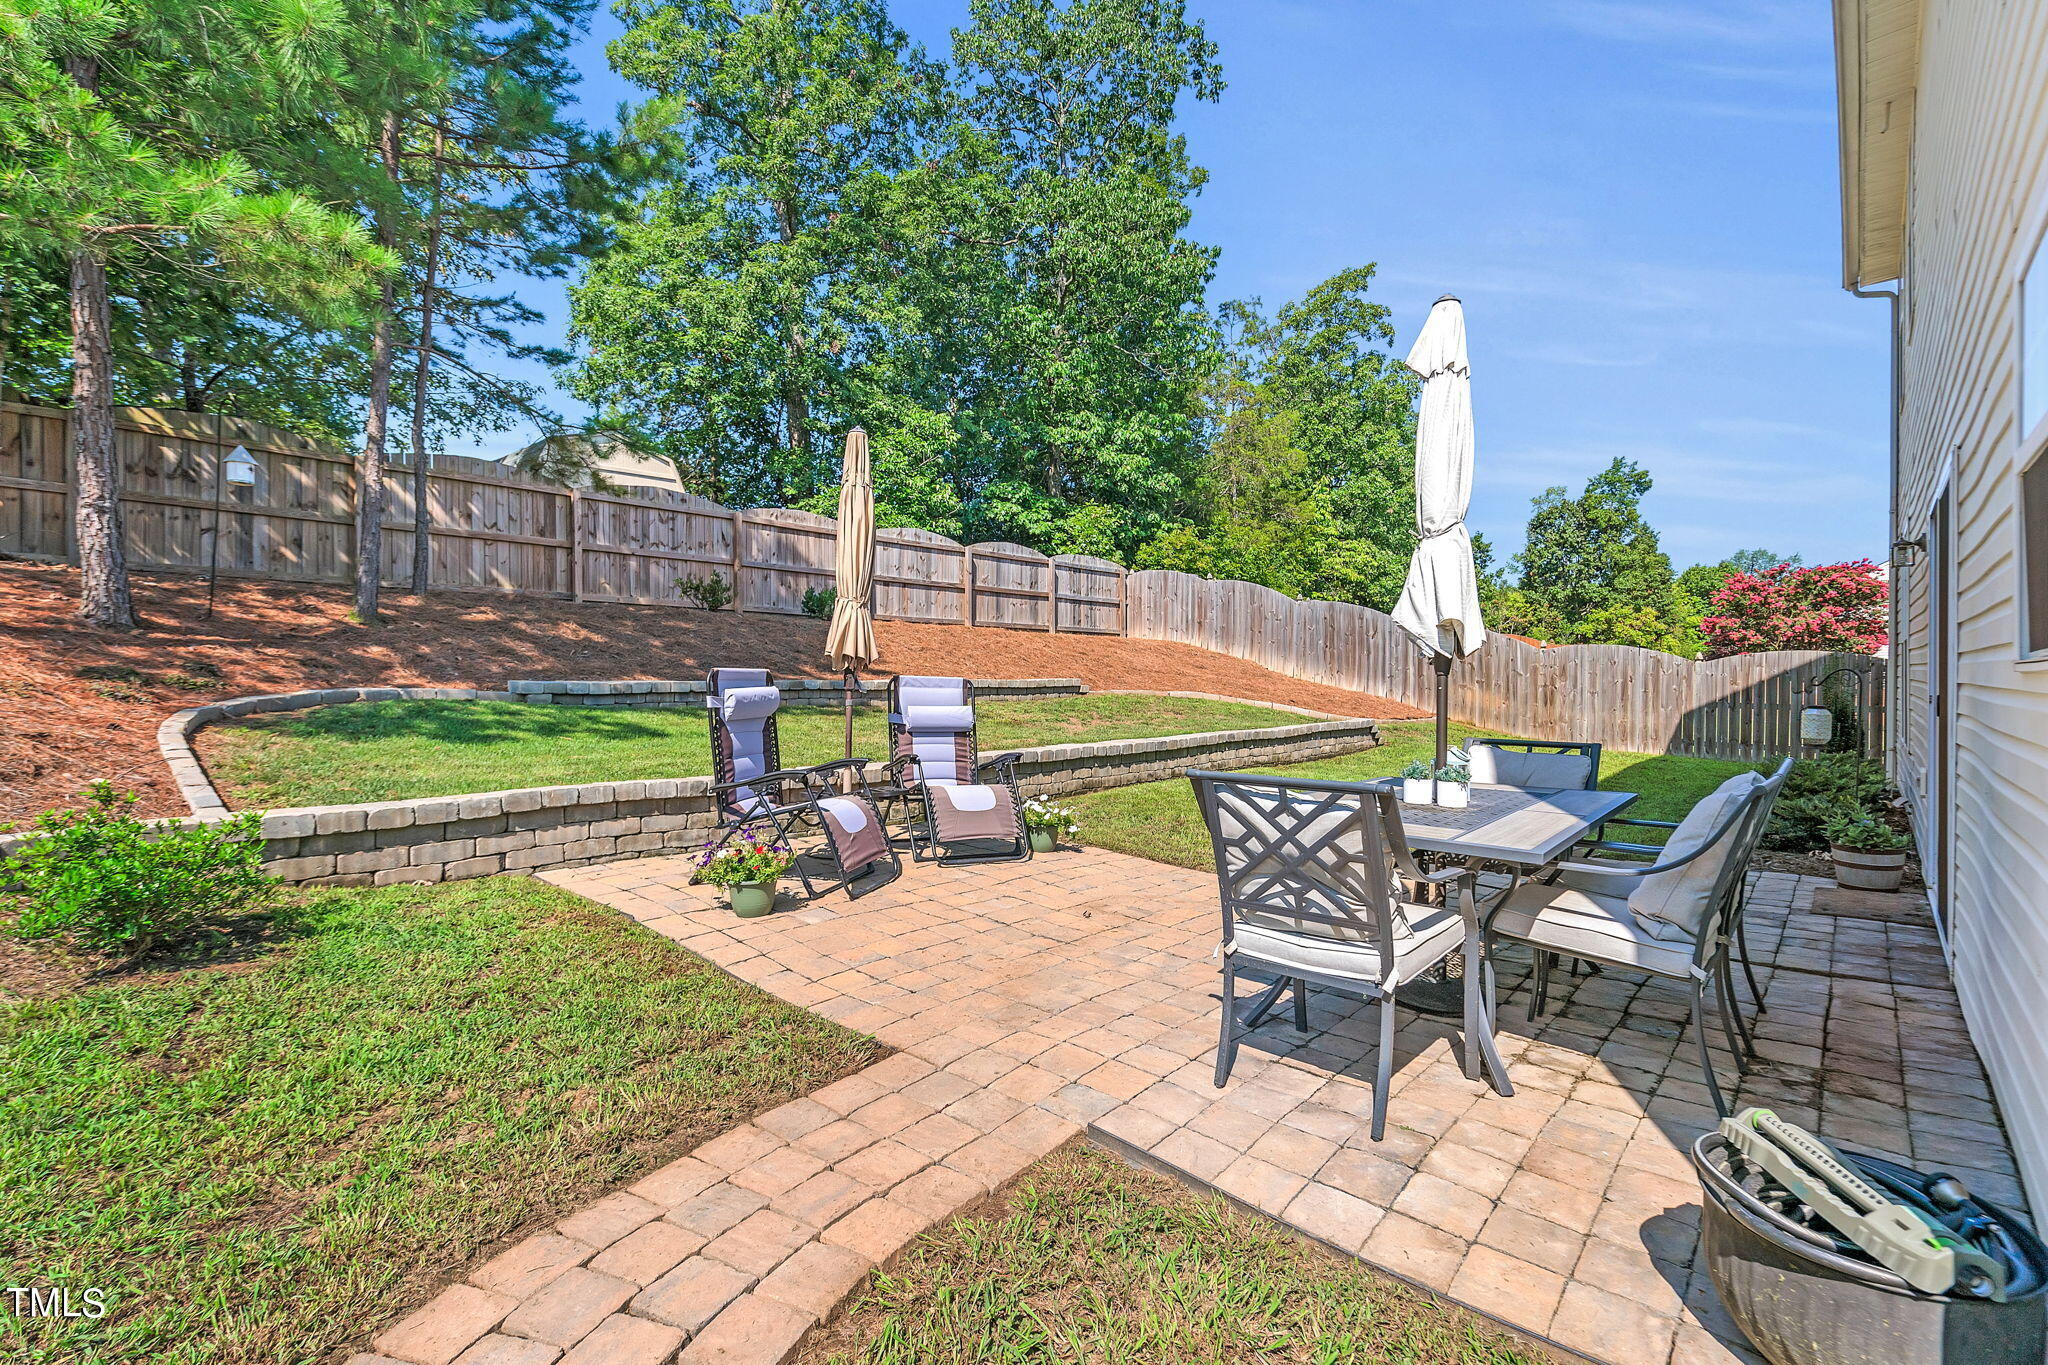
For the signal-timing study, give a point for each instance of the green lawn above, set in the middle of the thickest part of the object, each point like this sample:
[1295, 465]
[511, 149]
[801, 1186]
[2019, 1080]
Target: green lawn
[264, 1161]
[1090, 1260]
[1158, 819]
[391, 750]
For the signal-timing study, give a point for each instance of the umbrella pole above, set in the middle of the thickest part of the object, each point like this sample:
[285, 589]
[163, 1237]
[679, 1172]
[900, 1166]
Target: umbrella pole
[1443, 708]
[846, 703]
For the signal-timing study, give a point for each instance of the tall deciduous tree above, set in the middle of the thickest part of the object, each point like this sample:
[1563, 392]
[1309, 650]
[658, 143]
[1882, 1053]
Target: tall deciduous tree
[747, 307]
[1078, 298]
[122, 126]
[1590, 555]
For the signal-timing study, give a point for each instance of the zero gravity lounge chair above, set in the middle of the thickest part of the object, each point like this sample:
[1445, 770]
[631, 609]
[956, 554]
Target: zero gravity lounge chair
[963, 808]
[849, 841]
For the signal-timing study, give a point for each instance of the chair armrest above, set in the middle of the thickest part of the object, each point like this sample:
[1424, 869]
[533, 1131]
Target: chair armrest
[776, 778]
[1000, 761]
[1640, 823]
[1442, 876]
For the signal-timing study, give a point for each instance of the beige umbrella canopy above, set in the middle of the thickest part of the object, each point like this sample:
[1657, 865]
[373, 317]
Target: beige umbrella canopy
[850, 644]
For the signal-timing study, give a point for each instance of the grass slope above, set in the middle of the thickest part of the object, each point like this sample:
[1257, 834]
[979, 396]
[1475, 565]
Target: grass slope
[1158, 820]
[264, 1161]
[1087, 1259]
[392, 750]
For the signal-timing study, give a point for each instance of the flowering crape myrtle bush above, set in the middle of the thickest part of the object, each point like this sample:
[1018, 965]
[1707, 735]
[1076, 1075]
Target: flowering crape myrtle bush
[1825, 606]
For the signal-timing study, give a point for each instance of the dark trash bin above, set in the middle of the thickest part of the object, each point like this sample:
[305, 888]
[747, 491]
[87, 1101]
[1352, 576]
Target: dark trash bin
[1805, 1298]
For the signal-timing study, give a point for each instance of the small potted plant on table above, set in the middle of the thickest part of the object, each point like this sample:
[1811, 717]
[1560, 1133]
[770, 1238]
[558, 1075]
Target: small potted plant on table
[1454, 786]
[748, 868]
[1415, 784]
[1046, 823]
[1868, 853]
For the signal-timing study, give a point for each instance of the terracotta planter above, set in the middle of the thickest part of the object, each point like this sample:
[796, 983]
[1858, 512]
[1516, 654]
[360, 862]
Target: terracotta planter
[751, 899]
[1869, 869]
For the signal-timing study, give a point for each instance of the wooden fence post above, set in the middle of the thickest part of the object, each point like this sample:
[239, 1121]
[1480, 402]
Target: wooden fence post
[575, 546]
[739, 560]
[967, 586]
[1052, 594]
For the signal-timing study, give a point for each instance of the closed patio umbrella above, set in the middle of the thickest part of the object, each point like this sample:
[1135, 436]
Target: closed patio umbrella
[850, 644]
[1439, 603]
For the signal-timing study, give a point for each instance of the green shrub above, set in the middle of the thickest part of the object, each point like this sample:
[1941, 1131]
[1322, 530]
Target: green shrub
[1820, 789]
[112, 882]
[713, 593]
[819, 602]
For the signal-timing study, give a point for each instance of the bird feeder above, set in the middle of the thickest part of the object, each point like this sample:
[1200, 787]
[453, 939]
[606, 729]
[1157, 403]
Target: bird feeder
[1816, 726]
[241, 467]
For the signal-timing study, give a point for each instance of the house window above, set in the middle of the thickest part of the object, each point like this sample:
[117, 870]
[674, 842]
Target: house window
[2034, 555]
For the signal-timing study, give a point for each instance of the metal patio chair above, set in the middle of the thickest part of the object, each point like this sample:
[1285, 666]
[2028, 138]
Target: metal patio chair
[1649, 853]
[1308, 874]
[954, 799]
[750, 789]
[1672, 918]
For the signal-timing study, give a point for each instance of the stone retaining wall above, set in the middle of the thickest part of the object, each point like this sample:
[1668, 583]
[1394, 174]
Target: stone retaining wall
[449, 837]
[440, 838]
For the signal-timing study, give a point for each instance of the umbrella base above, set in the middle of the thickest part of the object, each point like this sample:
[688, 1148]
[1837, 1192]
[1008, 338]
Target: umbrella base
[1439, 991]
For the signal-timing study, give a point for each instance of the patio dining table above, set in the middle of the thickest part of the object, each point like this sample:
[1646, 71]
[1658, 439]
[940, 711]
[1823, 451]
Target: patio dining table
[1523, 829]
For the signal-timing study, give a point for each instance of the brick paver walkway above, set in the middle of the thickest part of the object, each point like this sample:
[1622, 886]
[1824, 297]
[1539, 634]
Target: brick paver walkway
[1032, 1001]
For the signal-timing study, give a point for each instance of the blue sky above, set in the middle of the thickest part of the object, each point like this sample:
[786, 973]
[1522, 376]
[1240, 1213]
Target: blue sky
[1636, 201]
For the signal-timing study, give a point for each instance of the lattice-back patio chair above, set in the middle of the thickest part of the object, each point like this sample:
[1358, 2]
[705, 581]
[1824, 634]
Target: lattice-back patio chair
[1674, 918]
[955, 799]
[840, 839]
[1537, 764]
[1310, 878]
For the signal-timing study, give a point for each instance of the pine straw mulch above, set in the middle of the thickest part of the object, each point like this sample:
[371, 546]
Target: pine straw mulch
[78, 703]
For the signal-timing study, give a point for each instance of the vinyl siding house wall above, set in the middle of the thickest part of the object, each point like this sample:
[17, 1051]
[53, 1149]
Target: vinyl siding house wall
[1945, 192]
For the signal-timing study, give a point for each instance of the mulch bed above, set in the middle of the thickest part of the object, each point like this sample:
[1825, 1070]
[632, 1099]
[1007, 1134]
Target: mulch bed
[59, 730]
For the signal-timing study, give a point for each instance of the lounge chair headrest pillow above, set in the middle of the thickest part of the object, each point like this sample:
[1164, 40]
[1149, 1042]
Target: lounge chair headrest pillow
[913, 690]
[750, 703]
[938, 719]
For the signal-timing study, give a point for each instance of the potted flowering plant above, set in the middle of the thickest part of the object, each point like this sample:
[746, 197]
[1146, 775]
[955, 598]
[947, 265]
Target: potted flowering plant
[1415, 784]
[747, 868]
[1867, 852]
[1454, 786]
[1046, 822]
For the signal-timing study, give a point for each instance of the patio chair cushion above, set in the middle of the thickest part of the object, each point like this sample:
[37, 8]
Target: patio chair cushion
[1587, 924]
[961, 813]
[855, 830]
[1431, 932]
[1515, 768]
[1673, 905]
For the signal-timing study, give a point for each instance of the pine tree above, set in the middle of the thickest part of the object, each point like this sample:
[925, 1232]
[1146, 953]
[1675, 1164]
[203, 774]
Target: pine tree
[122, 128]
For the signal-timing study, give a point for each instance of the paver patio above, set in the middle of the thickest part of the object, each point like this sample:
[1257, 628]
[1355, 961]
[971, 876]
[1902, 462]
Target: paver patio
[1032, 1001]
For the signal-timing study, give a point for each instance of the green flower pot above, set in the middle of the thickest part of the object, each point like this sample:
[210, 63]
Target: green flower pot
[1042, 841]
[750, 899]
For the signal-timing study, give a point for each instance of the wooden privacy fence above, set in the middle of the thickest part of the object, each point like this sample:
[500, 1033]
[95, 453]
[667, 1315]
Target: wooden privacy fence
[499, 531]
[496, 530]
[1639, 700]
